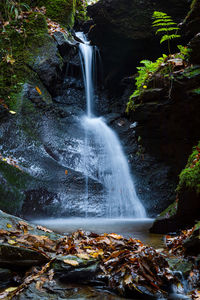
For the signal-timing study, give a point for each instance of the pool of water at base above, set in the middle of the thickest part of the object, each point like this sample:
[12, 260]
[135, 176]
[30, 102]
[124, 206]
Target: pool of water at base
[134, 228]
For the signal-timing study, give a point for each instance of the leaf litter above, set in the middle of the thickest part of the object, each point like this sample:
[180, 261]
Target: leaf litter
[124, 264]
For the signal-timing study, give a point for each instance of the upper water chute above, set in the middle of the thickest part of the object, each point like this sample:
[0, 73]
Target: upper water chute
[110, 166]
[86, 55]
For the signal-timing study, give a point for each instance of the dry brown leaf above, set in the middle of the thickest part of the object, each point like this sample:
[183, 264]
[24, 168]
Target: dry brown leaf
[128, 279]
[83, 256]
[44, 229]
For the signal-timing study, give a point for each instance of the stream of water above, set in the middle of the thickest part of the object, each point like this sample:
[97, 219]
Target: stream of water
[111, 168]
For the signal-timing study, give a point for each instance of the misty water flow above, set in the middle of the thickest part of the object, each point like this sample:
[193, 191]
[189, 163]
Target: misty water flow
[110, 166]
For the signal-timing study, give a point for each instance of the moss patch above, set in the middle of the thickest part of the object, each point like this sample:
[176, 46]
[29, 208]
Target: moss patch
[61, 11]
[12, 184]
[170, 211]
[190, 176]
[17, 46]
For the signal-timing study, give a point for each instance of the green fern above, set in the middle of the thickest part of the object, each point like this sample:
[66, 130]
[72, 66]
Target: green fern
[166, 27]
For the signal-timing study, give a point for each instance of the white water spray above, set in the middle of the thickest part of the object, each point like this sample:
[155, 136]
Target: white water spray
[111, 168]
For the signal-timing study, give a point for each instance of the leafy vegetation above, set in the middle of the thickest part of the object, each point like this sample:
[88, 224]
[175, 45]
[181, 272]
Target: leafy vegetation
[184, 53]
[81, 10]
[166, 27]
[12, 9]
[165, 64]
[145, 73]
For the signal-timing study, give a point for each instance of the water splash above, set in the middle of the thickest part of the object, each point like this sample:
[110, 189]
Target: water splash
[111, 167]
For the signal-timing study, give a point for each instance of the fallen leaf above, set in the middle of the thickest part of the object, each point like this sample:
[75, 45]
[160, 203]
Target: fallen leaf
[44, 229]
[71, 262]
[38, 90]
[128, 279]
[9, 225]
[10, 289]
[12, 242]
[115, 236]
[83, 256]
[12, 112]
[66, 172]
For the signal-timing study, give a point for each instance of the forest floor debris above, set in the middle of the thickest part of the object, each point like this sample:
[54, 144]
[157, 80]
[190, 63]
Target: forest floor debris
[125, 266]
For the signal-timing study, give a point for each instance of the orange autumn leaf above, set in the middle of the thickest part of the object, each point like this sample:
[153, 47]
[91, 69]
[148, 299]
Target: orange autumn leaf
[66, 172]
[115, 236]
[38, 90]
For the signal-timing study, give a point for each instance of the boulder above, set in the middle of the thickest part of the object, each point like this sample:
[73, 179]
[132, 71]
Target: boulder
[185, 210]
[194, 45]
[124, 34]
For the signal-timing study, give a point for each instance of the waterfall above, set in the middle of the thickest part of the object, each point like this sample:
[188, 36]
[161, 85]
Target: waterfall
[111, 167]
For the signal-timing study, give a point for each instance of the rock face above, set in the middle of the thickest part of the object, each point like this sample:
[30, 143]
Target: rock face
[185, 210]
[44, 135]
[191, 23]
[124, 34]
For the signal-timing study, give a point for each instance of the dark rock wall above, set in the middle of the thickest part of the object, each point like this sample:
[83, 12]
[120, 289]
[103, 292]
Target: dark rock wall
[123, 32]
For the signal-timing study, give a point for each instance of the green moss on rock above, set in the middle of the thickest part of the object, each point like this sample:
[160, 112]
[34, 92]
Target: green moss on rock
[12, 183]
[190, 176]
[170, 211]
[61, 11]
[22, 48]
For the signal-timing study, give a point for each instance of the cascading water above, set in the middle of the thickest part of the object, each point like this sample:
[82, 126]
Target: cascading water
[111, 167]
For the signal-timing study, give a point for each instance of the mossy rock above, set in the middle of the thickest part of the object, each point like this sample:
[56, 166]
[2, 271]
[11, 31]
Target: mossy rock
[28, 50]
[192, 21]
[169, 212]
[190, 176]
[61, 11]
[12, 184]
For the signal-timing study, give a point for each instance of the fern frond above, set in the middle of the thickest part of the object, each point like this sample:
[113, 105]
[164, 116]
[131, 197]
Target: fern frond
[164, 24]
[161, 20]
[159, 14]
[167, 37]
[146, 62]
[167, 29]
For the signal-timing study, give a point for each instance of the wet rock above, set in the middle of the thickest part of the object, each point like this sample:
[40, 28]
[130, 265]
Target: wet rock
[35, 94]
[166, 225]
[13, 257]
[192, 244]
[5, 277]
[3, 112]
[184, 266]
[67, 46]
[110, 118]
[194, 45]
[191, 24]
[84, 272]
[47, 63]
[57, 290]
